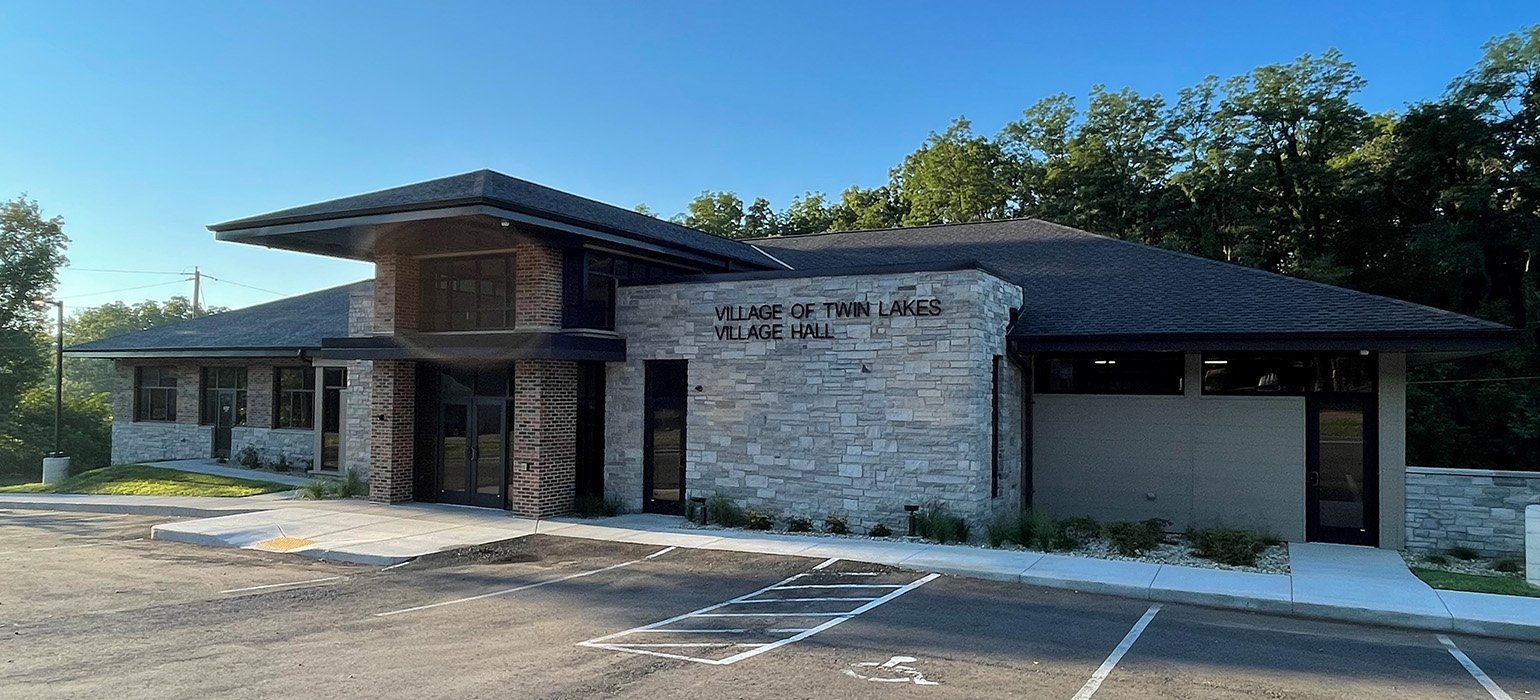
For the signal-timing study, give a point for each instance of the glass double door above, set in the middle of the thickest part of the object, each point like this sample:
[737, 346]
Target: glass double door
[473, 453]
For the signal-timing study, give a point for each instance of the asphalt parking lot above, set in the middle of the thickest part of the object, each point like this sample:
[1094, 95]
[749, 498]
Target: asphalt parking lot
[89, 607]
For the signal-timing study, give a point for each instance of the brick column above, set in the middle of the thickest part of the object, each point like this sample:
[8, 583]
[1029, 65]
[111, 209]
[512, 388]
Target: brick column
[537, 285]
[259, 396]
[393, 409]
[544, 452]
[397, 293]
[189, 393]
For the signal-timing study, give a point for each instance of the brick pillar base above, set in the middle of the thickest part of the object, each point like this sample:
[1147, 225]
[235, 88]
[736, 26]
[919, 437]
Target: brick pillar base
[544, 451]
[393, 410]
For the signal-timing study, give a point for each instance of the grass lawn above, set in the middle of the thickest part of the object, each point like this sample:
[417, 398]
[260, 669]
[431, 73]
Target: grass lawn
[1505, 585]
[141, 480]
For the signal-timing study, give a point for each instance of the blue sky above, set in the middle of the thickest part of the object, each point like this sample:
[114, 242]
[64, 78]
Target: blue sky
[143, 122]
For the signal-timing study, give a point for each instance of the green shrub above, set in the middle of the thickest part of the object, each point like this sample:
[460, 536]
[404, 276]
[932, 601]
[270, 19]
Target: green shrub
[836, 524]
[1508, 565]
[1000, 530]
[936, 522]
[1065, 535]
[1033, 529]
[595, 506]
[797, 523]
[1436, 559]
[1464, 553]
[352, 485]
[282, 464]
[879, 530]
[723, 511]
[249, 458]
[316, 490]
[755, 520]
[1226, 546]
[1134, 539]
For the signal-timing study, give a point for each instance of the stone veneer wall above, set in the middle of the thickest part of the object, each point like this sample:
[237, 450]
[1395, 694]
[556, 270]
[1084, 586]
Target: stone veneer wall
[1478, 508]
[147, 441]
[297, 447]
[356, 424]
[891, 410]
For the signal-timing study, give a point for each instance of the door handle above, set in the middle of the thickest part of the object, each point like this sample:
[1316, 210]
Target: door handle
[1314, 479]
[475, 453]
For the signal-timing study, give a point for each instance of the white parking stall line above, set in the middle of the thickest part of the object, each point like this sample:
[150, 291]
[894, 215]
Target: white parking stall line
[826, 563]
[610, 641]
[525, 587]
[1475, 671]
[835, 585]
[283, 585]
[805, 600]
[1105, 669]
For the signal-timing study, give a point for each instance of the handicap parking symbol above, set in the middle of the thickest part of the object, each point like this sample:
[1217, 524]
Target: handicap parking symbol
[894, 670]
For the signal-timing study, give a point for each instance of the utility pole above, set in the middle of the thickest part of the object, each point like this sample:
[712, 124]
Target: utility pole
[197, 291]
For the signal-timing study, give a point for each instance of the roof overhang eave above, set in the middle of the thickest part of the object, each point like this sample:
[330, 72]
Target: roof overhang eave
[151, 353]
[1447, 344]
[273, 232]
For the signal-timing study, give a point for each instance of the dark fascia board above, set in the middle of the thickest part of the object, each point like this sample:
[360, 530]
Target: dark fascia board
[516, 345]
[143, 353]
[235, 231]
[1463, 342]
[854, 271]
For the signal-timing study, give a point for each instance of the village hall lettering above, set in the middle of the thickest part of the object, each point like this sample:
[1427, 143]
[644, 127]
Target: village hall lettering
[807, 320]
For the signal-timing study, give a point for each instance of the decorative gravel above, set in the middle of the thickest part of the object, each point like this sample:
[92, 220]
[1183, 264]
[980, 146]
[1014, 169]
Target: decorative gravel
[1477, 567]
[1273, 560]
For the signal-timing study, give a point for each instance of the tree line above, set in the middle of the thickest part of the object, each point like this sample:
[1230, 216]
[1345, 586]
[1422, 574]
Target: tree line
[1280, 169]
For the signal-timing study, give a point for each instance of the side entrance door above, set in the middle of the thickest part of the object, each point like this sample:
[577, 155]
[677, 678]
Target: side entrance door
[663, 488]
[224, 420]
[1342, 469]
[473, 464]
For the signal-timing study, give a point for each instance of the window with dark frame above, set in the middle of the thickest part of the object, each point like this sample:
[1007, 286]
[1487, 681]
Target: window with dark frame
[155, 393]
[994, 444]
[294, 397]
[1156, 374]
[221, 380]
[1294, 374]
[469, 293]
[602, 273]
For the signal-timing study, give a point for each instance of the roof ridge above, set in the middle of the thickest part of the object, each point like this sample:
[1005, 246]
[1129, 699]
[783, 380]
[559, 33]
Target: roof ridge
[892, 228]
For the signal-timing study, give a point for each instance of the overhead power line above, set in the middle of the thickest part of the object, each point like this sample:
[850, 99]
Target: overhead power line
[238, 284]
[126, 289]
[122, 272]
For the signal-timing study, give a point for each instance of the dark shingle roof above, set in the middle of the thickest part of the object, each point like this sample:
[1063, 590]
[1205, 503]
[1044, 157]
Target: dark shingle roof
[1082, 284]
[496, 189]
[295, 323]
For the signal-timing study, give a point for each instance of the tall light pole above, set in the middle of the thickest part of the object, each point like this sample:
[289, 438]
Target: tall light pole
[56, 463]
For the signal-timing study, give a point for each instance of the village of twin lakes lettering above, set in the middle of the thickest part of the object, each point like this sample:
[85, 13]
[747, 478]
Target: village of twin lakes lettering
[810, 320]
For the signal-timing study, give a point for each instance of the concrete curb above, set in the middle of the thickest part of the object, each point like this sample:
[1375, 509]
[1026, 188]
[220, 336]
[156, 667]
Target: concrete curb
[129, 509]
[923, 561]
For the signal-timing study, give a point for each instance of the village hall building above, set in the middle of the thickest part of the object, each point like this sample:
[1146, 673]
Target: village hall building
[520, 347]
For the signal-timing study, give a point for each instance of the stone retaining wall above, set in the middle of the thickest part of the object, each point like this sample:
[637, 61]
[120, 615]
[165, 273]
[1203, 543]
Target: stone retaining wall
[295, 446]
[1478, 508]
[148, 441]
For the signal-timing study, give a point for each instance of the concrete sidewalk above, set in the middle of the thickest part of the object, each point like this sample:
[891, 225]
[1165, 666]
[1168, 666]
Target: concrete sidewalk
[1332, 582]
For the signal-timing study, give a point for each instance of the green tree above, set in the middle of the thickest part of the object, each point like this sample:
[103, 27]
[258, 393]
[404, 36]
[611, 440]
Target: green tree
[90, 375]
[717, 213]
[760, 220]
[31, 252]
[860, 208]
[808, 213]
[956, 176]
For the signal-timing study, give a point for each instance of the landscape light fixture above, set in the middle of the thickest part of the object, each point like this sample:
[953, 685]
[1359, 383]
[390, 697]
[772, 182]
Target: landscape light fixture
[699, 503]
[912, 509]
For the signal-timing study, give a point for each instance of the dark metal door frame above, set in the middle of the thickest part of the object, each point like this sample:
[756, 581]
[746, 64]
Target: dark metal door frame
[651, 402]
[224, 421]
[468, 493]
[1314, 530]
